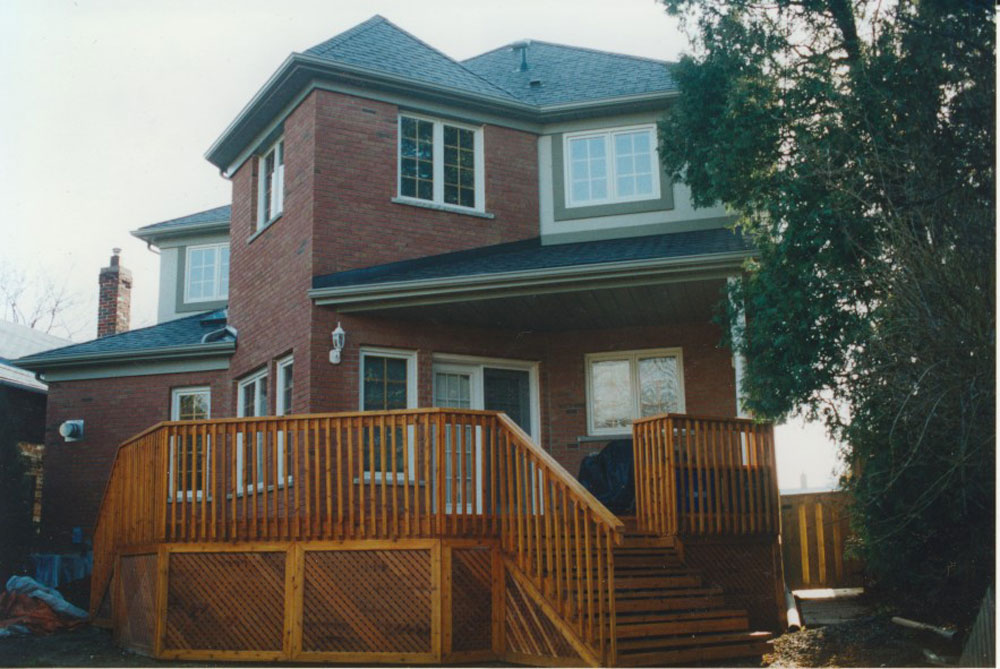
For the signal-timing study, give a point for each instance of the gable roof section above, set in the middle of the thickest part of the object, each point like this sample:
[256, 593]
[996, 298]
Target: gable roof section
[377, 54]
[380, 45]
[528, 265]
[568, 74]
[184, 337]
[216, 219]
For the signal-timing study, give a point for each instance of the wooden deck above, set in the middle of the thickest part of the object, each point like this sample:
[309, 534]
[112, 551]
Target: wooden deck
[421, 536]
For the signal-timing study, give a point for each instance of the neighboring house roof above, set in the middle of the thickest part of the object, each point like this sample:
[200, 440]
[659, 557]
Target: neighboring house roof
[516, 266]
[19, 378]
[18, 340]
[573, 82]
[379, 45]
[200, 334]
[560, 74]
[203, 221]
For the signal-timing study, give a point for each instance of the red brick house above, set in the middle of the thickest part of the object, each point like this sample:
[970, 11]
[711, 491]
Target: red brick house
[408, 232]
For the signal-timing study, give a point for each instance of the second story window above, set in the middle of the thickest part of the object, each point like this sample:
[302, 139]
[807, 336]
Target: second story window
[605, 167]
[441, 162]
[207, 273]
[271, 185]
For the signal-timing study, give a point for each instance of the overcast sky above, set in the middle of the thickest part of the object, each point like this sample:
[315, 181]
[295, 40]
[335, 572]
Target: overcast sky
[108, 107]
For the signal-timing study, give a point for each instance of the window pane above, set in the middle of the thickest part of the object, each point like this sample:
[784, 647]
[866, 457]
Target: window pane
[416, 158]
[384, 383]
[612, 394]
[201, 273]
[459, 166]
[286, 388]
[224, 271]
[659, 388]
[588, 169]
[634, 164]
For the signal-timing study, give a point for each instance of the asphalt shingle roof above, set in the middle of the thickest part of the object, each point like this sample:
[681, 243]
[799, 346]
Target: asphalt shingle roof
[216, 215]
[566, 74]
[186, 331]
[531, 255]
[378, 44]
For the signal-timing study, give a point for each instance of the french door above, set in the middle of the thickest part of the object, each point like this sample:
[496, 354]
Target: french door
[462, 385]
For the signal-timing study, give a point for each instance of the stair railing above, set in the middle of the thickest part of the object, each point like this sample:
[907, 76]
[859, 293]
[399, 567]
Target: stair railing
[560, 536]
[705, 476]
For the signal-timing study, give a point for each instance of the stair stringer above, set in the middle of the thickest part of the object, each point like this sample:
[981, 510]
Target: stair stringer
[529, 616]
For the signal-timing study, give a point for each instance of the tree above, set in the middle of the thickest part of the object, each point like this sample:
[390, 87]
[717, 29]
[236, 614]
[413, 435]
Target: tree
[855, 142]
[39, 303]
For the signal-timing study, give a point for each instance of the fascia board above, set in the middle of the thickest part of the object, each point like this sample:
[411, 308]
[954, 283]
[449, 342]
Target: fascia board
[153, 236]
[163, 353]
[561, 279]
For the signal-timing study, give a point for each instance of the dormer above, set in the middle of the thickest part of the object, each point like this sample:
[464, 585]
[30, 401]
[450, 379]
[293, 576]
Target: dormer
[194, 262]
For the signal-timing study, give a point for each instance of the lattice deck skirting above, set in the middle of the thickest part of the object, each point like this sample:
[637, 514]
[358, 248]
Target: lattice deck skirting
[405, 601]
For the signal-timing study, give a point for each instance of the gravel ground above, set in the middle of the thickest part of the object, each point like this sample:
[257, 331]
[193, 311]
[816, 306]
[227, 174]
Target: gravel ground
[868, 642]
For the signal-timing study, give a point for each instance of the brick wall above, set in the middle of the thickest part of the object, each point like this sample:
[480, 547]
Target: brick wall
[357, 225]
[112, 410]
[708, 374]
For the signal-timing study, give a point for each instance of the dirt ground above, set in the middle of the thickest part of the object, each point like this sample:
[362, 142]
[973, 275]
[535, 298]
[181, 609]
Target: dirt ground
[866, 642]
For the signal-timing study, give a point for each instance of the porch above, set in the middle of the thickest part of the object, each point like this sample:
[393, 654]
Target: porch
[429, 535]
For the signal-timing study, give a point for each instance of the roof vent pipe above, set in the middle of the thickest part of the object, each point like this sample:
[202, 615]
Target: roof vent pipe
[522, 46]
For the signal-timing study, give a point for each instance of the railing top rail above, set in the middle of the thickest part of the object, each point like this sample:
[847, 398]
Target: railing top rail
[315, 416]
[599, 510]
[689, 416]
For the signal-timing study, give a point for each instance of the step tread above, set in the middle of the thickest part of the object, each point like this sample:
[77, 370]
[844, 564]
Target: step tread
[695, 654]
[696, 639]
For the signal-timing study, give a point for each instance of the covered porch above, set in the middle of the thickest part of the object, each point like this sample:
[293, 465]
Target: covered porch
[424, 536]
[572, 341]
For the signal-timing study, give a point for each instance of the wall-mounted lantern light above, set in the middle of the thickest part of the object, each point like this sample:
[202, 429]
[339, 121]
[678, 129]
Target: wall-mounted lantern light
[339, 337]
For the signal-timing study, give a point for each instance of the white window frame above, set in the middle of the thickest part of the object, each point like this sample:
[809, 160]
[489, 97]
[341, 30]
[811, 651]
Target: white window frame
[411, 401]
[217, 294]
[438, 164]
[633, 358]
[608, 134]
[276, 206]
[175, 411]
[281, 371]
[253, 378]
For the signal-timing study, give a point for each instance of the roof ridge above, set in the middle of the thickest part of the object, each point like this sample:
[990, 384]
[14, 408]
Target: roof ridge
[616, 54]
[120, 334]
[378, 19]
[352, 32]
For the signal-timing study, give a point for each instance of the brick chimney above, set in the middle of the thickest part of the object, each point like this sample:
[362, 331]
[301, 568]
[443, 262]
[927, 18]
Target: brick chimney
[115, 298]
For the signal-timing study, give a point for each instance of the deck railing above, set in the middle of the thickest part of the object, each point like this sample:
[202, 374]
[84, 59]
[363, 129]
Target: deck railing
[422, 473]
[705, 476]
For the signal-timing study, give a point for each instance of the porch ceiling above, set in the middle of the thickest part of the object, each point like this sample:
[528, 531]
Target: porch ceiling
[598, 308]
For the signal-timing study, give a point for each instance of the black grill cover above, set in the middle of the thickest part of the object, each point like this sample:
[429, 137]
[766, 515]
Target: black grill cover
[609, 477]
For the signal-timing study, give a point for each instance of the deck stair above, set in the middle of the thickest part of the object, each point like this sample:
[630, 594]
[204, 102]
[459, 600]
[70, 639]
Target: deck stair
[667, 615]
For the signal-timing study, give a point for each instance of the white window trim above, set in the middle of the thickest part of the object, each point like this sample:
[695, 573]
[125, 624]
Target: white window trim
[633, 358]
[175, 410]
[608, 134]
[411, 401]
[277, 187]
[247, 380]
[281, 369]
[217, 294]
[438, 164]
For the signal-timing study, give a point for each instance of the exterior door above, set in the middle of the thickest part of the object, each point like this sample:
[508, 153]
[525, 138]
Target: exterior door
[459, 386]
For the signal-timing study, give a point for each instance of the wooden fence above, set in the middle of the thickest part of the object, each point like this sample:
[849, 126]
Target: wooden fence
[705, 476]
[815, 531]
[423, 473]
